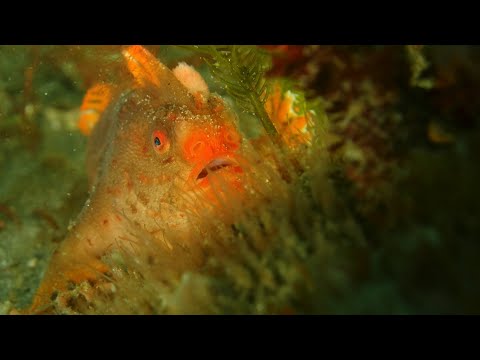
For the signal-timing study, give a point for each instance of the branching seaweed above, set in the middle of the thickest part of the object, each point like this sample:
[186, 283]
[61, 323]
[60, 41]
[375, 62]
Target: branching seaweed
[241, 70]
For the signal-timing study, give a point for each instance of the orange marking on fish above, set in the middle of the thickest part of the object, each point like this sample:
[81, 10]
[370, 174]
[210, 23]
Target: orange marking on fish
[144, 179]
[129, 180]
[218, 108]
[113, 190]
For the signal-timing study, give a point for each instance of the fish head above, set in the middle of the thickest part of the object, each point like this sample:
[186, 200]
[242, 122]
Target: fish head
[178, 151]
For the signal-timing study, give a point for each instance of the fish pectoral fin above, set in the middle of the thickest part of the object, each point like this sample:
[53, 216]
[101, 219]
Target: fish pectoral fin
[60, 281]
[94, 104]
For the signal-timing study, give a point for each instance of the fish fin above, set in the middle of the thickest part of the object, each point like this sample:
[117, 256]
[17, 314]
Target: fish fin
[57, 281]
[94, 103]
[142, 65]
[148, 71]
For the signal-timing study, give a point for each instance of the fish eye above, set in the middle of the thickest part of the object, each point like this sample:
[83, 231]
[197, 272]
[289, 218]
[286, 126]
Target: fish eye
[160, 142]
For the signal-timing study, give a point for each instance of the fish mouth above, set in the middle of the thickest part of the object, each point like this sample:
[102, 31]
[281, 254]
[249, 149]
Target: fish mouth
[215, 165]
[225, 166]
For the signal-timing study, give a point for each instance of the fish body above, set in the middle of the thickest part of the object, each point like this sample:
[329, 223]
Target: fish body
[158, 150]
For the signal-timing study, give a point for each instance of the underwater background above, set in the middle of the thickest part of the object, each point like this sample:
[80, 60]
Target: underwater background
[382, 220]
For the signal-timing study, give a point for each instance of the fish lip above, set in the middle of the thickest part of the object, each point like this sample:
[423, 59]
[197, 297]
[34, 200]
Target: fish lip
[215, 164]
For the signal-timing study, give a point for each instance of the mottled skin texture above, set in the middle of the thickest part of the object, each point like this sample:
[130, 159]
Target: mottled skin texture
[141, 191]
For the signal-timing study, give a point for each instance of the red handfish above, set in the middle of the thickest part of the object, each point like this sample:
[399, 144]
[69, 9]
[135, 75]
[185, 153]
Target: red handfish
[153, 147]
